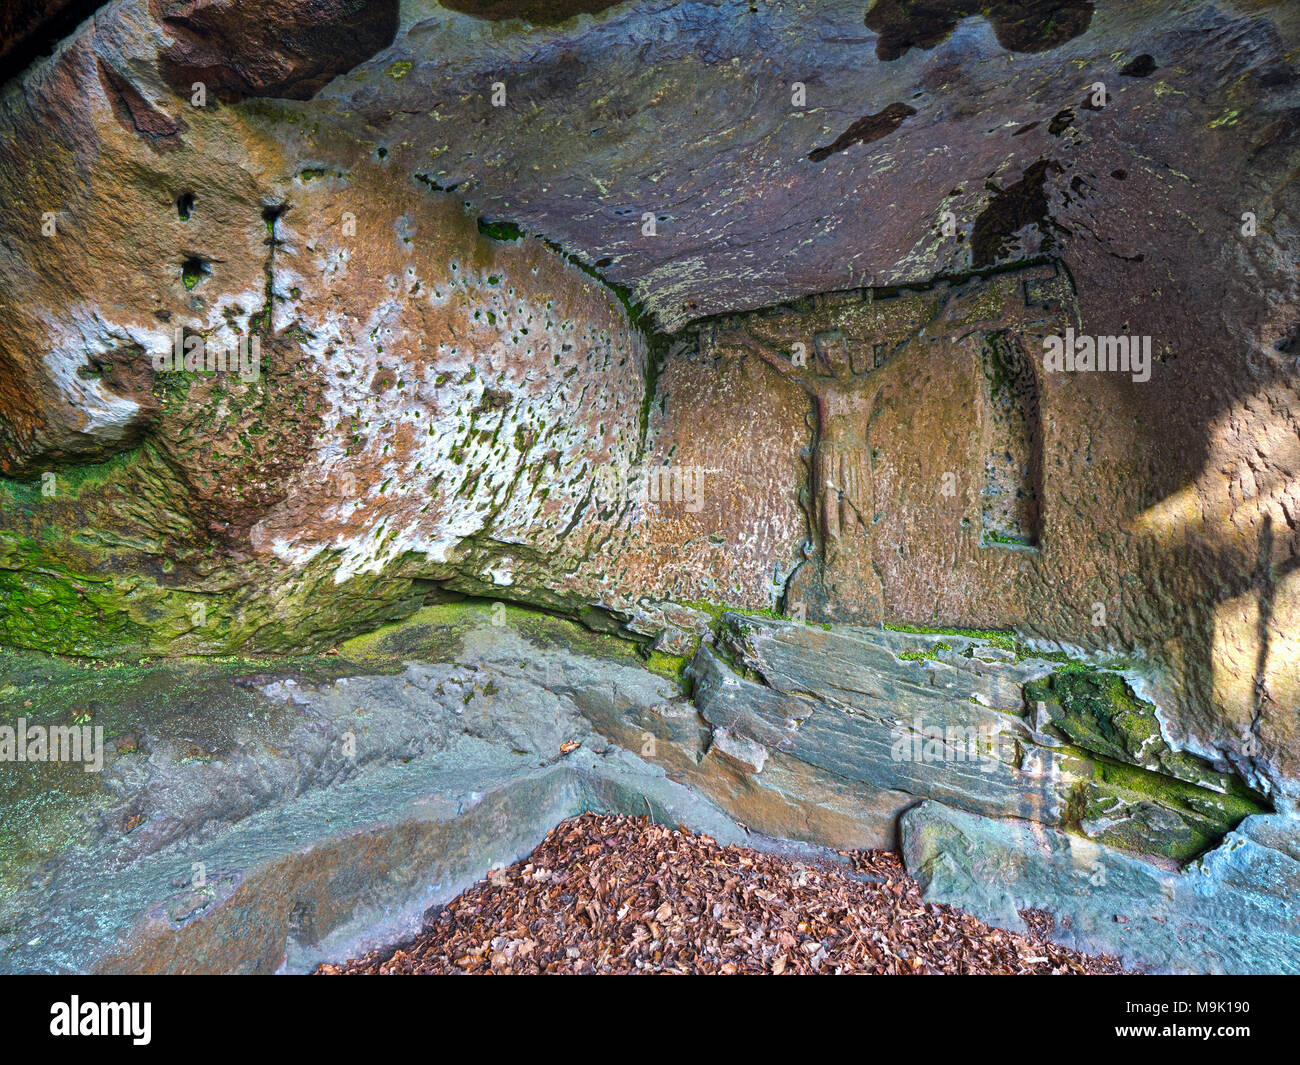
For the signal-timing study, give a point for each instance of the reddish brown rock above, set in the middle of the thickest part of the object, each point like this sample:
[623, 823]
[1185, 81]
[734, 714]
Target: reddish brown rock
[274, 48]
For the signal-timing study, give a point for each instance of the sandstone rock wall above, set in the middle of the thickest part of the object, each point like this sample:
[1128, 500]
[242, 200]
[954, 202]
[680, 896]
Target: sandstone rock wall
[438, 407]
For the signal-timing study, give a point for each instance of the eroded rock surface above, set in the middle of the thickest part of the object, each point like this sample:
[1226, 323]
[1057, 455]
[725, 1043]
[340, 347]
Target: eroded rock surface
[258, 817]
[250, 821]
[948, 718]
[1232, 912]
[640, 313]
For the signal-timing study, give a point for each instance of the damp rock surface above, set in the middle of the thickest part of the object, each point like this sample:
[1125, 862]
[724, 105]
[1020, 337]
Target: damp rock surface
[486, 324]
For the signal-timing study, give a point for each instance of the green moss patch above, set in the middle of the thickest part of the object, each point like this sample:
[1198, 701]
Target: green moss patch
[673, 667]
[997, 637]
[1143, 795]
[1100, 712]
[500, 230]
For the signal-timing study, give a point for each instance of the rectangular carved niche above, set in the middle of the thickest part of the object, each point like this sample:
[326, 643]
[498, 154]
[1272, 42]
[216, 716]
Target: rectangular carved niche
[1011, 497]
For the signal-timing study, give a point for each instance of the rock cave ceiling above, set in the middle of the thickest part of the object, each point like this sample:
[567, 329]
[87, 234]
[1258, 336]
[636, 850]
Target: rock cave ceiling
[690, 112]
[684, 110]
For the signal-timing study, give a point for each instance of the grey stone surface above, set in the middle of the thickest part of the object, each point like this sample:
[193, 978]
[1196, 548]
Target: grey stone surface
[310, 817]
[1233, 911]
[935, 716]
[352, 807]
[859, 745]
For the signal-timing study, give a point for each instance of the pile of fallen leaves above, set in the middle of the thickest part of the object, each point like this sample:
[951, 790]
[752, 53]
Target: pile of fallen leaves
[624, 895]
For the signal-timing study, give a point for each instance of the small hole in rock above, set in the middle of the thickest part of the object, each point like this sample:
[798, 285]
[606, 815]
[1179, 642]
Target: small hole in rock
[270, 214]
[1140, 67]
[185, 206]
[193, 270]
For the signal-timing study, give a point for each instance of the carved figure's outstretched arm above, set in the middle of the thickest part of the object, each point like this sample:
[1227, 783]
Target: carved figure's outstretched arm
[782, 366]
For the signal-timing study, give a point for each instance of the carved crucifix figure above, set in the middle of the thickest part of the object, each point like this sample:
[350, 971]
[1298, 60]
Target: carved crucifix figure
[839, 500]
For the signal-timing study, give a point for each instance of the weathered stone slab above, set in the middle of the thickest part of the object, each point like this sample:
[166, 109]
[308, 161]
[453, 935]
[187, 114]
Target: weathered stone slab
[925, 715]
[882, 749]
[255, 822]
[1233, 911]
[300, 819]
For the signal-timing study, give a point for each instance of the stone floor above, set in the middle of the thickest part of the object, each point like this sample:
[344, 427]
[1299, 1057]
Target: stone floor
[276, 815]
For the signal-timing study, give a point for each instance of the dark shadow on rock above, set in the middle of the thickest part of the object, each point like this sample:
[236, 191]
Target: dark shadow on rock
[1141, 67]
[1020, 25]
[31, 29]
[1010, 210]
[865, 130]
[1267, 585]
[538, 12]
[1061, 121]
[270, 48]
